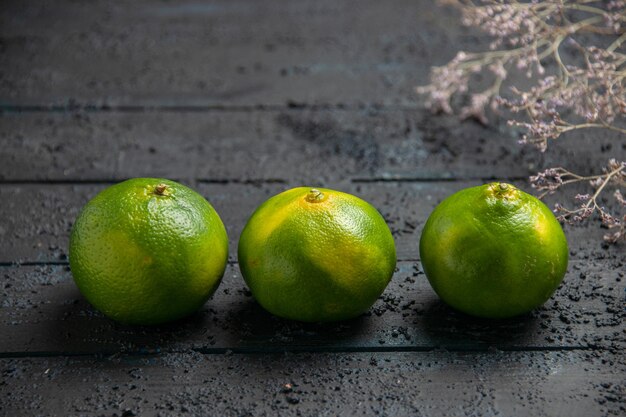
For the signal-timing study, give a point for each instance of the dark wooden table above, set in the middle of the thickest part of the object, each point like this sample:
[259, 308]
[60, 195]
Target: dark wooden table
[241, 100]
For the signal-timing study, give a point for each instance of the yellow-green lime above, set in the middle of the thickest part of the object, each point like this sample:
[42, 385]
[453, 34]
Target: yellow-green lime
[493, 251]
[148, 251]
[315, 254]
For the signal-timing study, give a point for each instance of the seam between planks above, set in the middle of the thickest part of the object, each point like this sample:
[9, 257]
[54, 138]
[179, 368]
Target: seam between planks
[17, 264]
[434, 179]
[304, 349]
[110, 181]
[259, 181]
[290, 105]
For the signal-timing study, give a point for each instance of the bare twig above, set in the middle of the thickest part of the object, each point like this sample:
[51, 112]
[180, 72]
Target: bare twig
[589, 92]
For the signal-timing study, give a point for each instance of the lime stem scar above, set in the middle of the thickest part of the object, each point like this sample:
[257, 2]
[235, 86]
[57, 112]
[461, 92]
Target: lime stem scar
[315, 196]
[160, 189]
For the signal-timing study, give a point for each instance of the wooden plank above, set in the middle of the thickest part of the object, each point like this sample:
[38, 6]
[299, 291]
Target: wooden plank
[37, 218]
[576, 384]
[408, 204]
[43, 313]
[227, 52]
[405, 205]
[290, 145]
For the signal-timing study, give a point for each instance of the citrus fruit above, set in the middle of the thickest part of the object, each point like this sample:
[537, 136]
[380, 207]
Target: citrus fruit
[148, 251]
[314, 254]
[493, 251]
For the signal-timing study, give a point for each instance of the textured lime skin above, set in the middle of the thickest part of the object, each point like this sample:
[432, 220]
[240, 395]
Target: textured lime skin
[145, 258]
[493, 251]
[316, 260]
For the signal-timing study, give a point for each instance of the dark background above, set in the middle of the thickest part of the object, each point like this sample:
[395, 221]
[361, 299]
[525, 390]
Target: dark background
[241, 100]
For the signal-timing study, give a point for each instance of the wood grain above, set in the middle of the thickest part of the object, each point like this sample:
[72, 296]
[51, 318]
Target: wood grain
[43, 313]
[240, 100]
[289, 145]
[537, 384]
[37, 218]
[225, 53]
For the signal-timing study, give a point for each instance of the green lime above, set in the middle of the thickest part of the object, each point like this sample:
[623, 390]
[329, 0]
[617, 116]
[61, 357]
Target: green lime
[493, 251]
[314, 254]
[148, 251]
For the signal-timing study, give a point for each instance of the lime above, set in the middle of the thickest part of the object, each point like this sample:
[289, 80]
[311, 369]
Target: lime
[314, 254]
[493, 251]
[148, 251]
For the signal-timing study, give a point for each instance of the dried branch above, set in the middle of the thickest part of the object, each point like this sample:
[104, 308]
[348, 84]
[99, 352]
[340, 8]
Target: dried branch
[586, 91]
[614, 174]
